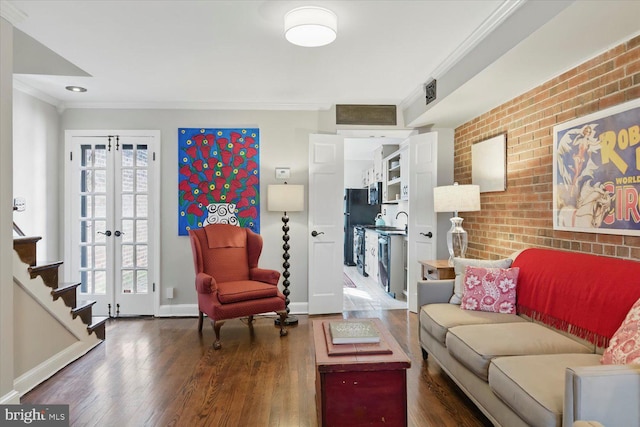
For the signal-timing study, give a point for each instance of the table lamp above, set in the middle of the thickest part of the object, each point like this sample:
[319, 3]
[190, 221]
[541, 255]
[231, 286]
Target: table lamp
[456, 198]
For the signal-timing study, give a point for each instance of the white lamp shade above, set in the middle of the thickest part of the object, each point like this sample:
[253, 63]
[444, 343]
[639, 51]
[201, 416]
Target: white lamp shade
[456, 198]
[310, 26]
[285, 198]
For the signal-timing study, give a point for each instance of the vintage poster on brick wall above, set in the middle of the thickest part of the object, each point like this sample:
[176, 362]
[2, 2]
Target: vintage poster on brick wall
[596, 172]
[218, 178]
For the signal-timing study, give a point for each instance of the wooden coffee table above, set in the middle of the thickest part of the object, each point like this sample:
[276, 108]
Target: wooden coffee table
[360, 389]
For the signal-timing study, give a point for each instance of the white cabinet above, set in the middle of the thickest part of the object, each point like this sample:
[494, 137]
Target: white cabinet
[404, 174]
[378, 160]
[371, 255]
[391, 185]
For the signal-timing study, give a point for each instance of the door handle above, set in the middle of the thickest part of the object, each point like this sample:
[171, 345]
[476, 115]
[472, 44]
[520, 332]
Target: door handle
[314, 233]
[429, 234]
[106, 233]
[118, 233]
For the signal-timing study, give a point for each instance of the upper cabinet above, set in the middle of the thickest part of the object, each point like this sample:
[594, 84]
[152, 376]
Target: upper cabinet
[392, 183]
[379, 155]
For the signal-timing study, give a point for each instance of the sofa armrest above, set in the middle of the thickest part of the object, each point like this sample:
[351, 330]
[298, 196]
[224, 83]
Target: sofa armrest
[434, 291]
[608, 394]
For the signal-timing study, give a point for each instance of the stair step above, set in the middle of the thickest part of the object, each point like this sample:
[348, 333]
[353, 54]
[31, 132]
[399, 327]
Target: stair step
[83, 309]
[26, 248]
[47, 271]
[68, 292]
[98, 326]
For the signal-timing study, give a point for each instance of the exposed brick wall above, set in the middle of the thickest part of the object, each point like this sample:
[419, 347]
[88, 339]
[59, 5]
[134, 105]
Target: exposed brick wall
[521, 216]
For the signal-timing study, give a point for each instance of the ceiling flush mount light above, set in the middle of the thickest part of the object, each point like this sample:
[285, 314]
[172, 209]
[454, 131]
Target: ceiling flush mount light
[76, 89]
[310, 26]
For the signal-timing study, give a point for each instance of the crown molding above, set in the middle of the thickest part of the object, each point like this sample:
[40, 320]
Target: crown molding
[30, 90]
[487, 27]
[199, 106]
[11, 13]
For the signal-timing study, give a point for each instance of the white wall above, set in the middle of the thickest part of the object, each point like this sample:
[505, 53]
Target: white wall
[7, 392]
[35, 152]
[284, 143]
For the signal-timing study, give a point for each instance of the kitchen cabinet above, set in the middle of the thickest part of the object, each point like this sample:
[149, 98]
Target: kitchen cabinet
[391, 185]
[378, 157]
[404, 174]
[371, 256]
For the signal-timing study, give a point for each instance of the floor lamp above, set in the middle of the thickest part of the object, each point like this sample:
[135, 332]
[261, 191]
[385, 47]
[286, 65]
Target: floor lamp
[456, 198]
[286, 198]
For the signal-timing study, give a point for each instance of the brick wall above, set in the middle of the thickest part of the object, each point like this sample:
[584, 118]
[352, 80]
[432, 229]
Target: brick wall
[521, 216]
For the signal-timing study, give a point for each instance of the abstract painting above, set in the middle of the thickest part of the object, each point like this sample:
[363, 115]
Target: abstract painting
[218, 177]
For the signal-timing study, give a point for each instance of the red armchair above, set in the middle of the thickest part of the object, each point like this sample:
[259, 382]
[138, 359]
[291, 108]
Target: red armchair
[228, 281]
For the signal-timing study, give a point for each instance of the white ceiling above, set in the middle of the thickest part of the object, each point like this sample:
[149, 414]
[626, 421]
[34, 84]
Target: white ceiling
[233, 54]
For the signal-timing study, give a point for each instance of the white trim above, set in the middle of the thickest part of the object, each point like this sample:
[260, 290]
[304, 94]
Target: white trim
[36, 93]
[11, 398]
[178, 310]
[199, 106]
[11, 13]
[506, 9]
[191, 310]
[51, 366]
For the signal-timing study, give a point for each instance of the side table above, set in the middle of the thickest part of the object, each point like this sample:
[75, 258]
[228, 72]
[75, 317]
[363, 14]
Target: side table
[437, 270]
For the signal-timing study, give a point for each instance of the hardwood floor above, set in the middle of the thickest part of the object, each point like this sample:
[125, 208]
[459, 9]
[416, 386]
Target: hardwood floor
[160, 372]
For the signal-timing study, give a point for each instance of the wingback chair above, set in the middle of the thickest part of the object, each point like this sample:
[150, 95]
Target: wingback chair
[228, 281]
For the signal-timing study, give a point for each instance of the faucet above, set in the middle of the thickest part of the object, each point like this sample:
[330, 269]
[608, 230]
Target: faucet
[406, 225]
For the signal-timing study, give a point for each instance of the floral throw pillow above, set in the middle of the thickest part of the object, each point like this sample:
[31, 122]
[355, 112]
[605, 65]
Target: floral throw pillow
[624, 347]
[490, 289]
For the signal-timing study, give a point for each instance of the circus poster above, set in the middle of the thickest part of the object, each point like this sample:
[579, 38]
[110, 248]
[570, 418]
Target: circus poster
[218, 178]
[596, 172]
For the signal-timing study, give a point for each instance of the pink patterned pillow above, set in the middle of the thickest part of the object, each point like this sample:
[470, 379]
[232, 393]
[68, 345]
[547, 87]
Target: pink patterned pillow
[624, 347]
[490, 289]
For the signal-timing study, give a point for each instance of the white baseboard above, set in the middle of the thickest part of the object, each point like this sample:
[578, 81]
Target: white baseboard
[178, 310]
[46, 369]
[11, 398]
[191, 310]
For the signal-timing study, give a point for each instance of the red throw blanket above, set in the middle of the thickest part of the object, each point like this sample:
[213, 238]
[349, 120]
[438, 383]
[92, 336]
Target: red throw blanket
[586, 295]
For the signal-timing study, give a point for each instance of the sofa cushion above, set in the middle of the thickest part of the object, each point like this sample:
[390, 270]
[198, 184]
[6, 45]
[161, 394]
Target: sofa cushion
[475, 345]
[533, 386]
[490, 289]
[624, 346]
[244, 290]
[436, 319]
[460, 265]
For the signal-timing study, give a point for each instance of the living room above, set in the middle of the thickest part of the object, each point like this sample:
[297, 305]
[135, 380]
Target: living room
[605, 76]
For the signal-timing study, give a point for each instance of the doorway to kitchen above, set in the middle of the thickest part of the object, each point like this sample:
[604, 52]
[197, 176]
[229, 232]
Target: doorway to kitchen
[363, 290]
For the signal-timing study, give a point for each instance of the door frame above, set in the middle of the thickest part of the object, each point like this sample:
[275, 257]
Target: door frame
[154, 207]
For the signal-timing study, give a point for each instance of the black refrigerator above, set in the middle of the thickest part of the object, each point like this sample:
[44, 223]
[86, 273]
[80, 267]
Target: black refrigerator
[357, 211]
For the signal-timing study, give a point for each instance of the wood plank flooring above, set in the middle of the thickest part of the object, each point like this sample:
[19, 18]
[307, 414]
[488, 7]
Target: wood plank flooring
[161, 372]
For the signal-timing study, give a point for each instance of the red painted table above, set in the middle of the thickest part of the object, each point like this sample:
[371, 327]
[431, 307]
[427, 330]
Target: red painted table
[360, 388]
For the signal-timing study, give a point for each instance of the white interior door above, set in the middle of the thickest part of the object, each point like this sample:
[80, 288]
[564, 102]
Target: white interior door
[326, 183]
[112, 219]
[422, 220]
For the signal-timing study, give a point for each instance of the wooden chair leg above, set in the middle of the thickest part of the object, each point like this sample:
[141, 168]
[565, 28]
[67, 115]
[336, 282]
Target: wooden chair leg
[216, 328]
[200, 318]
[283, 318]
[250, 319]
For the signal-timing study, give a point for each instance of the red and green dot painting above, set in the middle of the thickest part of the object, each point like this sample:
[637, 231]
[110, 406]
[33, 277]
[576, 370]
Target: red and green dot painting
[218, 178]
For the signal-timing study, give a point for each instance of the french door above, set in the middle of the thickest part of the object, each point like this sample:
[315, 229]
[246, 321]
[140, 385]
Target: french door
[111, 218]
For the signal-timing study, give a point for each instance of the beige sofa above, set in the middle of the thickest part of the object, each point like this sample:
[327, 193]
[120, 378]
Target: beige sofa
[520, 371]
